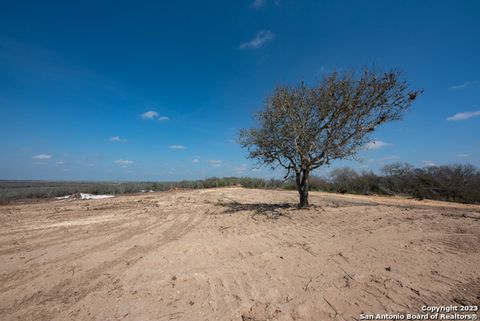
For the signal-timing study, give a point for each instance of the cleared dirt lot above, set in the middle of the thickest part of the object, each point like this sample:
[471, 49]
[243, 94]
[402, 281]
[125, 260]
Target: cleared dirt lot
[235, 254]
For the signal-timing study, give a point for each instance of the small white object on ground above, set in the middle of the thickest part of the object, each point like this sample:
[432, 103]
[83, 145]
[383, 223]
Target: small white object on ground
[63, 197]
[84, 196]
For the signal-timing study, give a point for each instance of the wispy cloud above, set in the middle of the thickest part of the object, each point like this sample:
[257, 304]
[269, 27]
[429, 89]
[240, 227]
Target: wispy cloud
[261, 38]
[429, 163]
[215, 163]
[117, 139]
[465, 115]
[464, 85]
[42, 156]
[153, 115]
[256, 4]
[149, 114]
[463, 155]
[240, 170]
[177, 147]
[61, 162]
[123, 162]
[376, 144]
[195, 161]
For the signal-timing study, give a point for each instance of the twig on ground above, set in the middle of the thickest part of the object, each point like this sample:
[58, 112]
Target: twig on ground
[170, 315]
[305, 288]
[351, 277]
[336, 313]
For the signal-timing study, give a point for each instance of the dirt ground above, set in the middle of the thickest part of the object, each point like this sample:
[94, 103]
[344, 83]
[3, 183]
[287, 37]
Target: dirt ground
[235, 254]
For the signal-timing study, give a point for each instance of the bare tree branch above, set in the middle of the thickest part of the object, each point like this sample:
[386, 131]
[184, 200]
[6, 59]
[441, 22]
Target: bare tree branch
[302, 129]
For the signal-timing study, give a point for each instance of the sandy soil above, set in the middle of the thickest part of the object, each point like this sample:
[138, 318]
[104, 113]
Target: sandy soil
[235, 254]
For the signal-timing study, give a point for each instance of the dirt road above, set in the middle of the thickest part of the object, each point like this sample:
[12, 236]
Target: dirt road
[235, 254]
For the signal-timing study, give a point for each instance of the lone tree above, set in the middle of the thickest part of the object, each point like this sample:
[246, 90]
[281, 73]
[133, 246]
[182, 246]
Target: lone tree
[302, 128]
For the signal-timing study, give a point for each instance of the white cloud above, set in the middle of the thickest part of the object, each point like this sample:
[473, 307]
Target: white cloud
[215, 163]
[61, 162]
[124, 163]
[154, 115]
[464, 85]
[256, 169]
[117, 139]
[196, 160]
[256, 4]
[465, 115]
[42, 156]
[177, 147]
[429, 163]
[150, 114]
[240, 169]
[261, 38]
[463, 155]
[376, 144]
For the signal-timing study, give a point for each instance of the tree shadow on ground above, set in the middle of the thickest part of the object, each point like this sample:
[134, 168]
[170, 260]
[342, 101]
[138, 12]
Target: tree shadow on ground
[269, 210]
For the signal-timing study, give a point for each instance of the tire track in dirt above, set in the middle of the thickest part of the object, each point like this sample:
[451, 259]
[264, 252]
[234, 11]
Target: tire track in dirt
[124, 228]
[182, 257]
[70, 291]
[128, 234]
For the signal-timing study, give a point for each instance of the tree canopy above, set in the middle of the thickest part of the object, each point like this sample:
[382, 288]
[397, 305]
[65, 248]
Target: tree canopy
[302, 128]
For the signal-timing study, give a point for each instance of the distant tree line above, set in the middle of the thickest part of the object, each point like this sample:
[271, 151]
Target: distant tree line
[21, 190]
[456, 183]
[17, 190]
[213, 182]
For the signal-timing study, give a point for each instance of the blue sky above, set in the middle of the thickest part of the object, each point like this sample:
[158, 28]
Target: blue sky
[157, 90]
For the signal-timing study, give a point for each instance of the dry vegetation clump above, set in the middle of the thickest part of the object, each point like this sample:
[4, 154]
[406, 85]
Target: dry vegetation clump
[456, 183]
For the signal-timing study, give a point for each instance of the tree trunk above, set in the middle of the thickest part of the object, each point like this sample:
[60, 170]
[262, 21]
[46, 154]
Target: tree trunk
[303, 197]
[303, 187]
